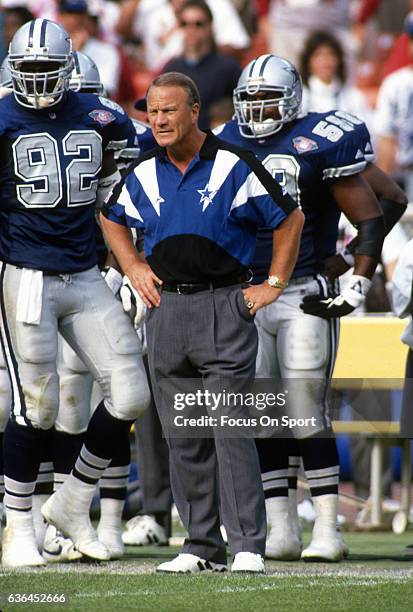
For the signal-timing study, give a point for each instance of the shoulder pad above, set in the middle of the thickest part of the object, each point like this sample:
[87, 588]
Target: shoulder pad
[140, 126]
[111, 104]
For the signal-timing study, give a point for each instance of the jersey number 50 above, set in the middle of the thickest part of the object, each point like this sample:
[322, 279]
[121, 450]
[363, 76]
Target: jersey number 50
[37, 163]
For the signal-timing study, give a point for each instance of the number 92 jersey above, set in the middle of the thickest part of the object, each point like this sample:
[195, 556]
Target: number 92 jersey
[50, 161]
[304, 157]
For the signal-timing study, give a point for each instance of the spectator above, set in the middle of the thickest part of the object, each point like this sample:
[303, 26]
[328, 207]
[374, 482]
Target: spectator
[324, 74]
[292, 20]
[112, 64]
[393, 121]
[216, 75]
[155, 22]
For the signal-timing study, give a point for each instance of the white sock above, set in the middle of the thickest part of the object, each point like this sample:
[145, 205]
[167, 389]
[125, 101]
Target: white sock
[277, 512]
[77, 494]
[326, 508]
[23, 521]
[111, 513]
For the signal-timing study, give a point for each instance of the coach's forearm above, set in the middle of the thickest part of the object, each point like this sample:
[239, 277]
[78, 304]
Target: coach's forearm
[121, 243]
[286, 245]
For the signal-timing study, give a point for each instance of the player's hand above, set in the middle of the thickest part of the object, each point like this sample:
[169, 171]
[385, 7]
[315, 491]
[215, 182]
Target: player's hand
[335, 266]
[350, 298]
[112, 278]
[259, 296]
[132, 303]
[145, 281]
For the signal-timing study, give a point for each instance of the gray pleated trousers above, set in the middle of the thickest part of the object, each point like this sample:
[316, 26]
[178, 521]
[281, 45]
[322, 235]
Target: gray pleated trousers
[211, 336]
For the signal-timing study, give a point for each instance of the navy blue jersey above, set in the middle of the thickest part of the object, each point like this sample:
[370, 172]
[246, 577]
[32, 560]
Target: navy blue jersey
[50, 161]
[200, 225]
[304, 157]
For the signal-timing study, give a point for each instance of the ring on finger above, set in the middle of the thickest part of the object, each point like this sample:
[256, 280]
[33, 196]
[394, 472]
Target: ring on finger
[249, 304]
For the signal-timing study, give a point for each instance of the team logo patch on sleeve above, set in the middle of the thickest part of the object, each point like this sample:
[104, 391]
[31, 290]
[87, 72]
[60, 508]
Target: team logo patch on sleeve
[103, 117]
[304, 145]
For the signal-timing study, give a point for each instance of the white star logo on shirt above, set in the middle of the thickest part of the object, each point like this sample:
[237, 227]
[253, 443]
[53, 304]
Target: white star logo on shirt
[207, 196]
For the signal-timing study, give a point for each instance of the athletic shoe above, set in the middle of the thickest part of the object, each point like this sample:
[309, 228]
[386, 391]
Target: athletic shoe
[58, 549]
[71, 517]
[282, 543]
[186, 563]
[144, 531]
[246, 562]
[112, 539]
[20, 547]
[326, 542]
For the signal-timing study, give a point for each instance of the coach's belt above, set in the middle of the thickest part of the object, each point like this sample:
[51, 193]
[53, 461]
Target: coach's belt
[188, 288]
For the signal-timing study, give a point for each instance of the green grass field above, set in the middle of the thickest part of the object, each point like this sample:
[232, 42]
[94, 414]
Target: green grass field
[376, 577]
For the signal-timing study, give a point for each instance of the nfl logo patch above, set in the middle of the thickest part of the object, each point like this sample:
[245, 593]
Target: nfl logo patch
[304, 145]
[103, 117]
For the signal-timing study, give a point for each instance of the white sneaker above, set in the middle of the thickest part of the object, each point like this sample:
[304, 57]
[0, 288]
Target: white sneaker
[282, 543]
[112, 539]
[185, 563]
[325, 545]
[282, 546]
[57, 548]
[70, 515]
[326, 542]
[246, 562]
[144, 531]
[20, 547]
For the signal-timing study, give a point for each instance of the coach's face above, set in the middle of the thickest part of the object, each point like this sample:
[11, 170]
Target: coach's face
[170, 115]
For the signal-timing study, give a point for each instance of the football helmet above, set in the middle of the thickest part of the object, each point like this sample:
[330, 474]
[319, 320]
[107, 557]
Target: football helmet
[5, 74]
[40, 62]
[85, 75]
[268, 95]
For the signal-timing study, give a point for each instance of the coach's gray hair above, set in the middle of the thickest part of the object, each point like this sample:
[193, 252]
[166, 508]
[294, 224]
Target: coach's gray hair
[178, 79]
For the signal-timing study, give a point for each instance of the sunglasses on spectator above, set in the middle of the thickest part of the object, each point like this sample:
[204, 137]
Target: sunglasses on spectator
[196, 24]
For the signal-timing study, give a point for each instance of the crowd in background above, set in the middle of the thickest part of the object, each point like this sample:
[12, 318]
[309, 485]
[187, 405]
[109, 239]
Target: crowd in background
[355, 55]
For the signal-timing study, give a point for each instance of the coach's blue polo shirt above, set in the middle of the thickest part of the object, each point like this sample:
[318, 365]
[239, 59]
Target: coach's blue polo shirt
[200, 225]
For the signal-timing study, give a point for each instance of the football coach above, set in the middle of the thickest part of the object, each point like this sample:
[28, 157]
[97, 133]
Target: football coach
[200, 201]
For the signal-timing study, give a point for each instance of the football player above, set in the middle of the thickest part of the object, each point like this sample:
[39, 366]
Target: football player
[56, 166]
[319, 160]
[76, 382]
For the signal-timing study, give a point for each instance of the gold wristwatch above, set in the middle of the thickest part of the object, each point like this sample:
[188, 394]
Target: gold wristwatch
[274, 281]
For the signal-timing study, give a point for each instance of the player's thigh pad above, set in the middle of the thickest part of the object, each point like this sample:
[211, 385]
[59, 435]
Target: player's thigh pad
[34, 350]
[104, 338]
[75, 390]
[303, 346]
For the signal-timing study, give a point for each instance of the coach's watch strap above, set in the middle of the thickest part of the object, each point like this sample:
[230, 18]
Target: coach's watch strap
[275, 281]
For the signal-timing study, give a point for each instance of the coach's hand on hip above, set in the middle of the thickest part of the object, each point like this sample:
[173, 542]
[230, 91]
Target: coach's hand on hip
[145, 281]
[258, 296]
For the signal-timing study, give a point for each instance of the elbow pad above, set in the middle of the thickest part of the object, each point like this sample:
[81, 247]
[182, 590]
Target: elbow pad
[370, 237]
[105, 187]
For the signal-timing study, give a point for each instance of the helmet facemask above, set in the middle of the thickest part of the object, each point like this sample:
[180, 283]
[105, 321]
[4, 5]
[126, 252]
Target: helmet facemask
[40, 84]
[263, 110]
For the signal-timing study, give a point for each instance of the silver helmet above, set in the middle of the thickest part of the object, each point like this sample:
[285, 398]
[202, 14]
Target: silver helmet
[85, 75]
[40, 62]
[5, 74]
[268, 95]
